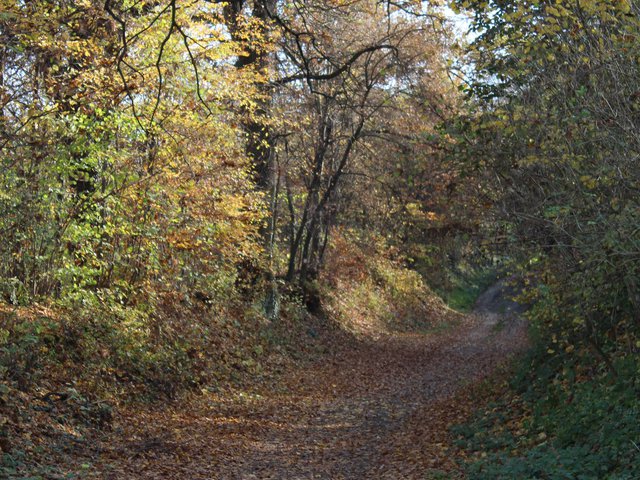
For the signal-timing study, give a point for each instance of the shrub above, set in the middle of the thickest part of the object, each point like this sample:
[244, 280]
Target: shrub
[561, 426]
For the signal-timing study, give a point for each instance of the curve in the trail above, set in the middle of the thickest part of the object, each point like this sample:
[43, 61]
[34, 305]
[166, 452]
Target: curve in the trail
[348, 418]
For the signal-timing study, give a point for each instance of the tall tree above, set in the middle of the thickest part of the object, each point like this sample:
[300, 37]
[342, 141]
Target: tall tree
[339, 86]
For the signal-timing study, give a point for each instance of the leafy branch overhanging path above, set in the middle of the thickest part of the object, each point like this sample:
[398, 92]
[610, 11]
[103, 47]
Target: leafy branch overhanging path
[377, 410]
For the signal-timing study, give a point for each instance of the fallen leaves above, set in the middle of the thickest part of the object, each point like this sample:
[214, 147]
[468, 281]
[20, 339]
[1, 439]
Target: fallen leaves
[376, 405]
[373, 409]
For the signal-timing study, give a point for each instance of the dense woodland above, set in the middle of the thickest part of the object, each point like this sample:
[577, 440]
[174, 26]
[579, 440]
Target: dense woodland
[198, 196]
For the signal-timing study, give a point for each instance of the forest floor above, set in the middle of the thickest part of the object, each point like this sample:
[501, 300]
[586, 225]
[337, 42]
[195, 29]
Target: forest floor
[377, 408]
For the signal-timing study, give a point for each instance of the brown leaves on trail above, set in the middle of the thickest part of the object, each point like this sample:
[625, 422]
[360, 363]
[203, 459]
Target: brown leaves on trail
[377, 405]
[374, 409]
[424, 445]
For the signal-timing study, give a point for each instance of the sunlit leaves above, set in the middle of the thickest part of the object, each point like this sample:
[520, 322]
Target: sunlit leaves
[122, 157]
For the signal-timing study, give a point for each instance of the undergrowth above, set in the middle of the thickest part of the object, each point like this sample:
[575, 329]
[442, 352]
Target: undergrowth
[559, 421]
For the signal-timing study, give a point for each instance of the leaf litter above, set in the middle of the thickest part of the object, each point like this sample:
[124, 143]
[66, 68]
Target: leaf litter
[377, 407]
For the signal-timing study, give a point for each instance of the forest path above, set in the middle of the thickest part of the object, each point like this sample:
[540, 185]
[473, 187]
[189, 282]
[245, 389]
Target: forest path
[378, 410]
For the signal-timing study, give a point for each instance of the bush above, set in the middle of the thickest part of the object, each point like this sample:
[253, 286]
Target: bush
[564, 426]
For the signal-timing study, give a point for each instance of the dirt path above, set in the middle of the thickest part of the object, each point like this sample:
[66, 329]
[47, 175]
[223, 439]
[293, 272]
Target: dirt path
[378, 410]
